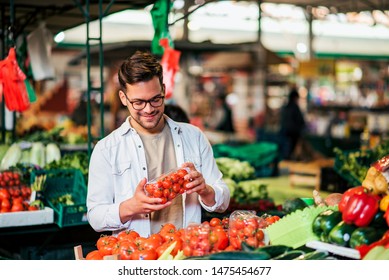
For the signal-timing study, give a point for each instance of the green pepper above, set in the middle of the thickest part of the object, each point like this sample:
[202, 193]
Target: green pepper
[341, 234]
[325, 222]
[379, 221]
[365, 236]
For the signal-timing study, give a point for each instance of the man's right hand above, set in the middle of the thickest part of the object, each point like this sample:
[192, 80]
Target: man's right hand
[140, 203]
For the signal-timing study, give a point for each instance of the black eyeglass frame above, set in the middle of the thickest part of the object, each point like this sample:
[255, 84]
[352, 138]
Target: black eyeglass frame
[160, 97]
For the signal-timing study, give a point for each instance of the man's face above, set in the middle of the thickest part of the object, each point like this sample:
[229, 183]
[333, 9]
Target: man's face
[150, 118]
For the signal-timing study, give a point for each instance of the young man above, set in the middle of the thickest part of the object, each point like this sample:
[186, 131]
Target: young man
[146, 145]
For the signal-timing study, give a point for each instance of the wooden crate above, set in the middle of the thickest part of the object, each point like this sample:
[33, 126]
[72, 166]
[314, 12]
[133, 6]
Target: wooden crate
[80, 256]
[309, 173]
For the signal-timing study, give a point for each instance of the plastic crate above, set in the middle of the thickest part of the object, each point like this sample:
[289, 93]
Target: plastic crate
[263, 156]
[58, 183]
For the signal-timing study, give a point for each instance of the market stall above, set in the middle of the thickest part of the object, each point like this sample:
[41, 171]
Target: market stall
[51, 217]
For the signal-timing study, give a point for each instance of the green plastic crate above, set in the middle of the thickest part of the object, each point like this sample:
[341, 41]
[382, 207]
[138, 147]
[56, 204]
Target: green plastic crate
[263, 156]
[58, 183]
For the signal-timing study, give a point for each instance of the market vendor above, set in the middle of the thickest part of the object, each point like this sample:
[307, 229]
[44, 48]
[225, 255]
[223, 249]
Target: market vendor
[146, 145]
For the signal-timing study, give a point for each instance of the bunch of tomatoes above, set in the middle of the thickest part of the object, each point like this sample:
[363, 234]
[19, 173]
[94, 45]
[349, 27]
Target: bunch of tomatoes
[14, 195]
[168, 186]
[195, 240]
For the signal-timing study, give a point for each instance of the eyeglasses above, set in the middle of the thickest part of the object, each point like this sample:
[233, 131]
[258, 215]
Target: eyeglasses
[140, 104]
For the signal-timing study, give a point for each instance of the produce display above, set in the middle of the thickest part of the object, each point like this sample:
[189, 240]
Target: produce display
[15, 194]
[217, 239]
[354, 165]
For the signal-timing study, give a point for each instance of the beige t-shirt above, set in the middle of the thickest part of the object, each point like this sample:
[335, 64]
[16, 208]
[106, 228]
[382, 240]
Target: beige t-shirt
[161, 158]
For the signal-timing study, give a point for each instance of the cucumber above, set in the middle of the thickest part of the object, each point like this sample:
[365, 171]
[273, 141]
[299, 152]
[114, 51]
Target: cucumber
[239, 255]
[314, 255]
[273, 250]
[289, 255]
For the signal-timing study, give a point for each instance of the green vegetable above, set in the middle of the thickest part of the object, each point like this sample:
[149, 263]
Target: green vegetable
[314, 255]
[239, 255]
[293, 204]
[66, 199]
[11, 157]
[3, 149]
[38, 154]
[325, 222]
[274, 250]
[365, 235]
[341, 234]
[235, 169]
[53, 153]
[26, 155]
[290, 255]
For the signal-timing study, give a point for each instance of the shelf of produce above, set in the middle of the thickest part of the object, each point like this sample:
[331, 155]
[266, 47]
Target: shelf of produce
[27, 218]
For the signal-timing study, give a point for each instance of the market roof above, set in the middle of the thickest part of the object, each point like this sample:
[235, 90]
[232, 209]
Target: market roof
[60, 15]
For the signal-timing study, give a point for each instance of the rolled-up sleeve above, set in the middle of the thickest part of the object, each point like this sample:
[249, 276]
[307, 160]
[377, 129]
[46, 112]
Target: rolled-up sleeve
[213, 177]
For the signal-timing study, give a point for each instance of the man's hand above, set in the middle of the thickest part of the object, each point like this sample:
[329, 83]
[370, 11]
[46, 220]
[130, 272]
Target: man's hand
[140, 203]
[197, 184]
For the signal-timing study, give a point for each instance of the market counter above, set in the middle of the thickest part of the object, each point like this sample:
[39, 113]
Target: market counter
[45, 242]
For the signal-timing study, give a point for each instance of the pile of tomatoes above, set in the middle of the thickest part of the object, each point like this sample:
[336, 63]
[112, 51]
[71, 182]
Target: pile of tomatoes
[14, 195]
[195, 240]
[168, 186]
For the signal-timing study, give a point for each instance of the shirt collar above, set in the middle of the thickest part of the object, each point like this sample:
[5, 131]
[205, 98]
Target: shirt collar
[126, 126]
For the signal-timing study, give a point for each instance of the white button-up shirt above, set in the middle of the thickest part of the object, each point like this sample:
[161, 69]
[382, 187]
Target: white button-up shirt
[118, 163]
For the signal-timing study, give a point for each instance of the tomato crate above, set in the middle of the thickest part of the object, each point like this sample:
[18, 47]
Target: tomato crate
[61, 184]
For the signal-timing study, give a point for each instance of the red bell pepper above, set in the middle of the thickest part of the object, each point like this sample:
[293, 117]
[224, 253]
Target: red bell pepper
[346, 196]
[360, 209]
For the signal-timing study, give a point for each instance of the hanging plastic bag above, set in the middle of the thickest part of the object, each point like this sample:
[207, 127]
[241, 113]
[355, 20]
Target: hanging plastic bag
[170, 64]
[30, 91]
[12, 78]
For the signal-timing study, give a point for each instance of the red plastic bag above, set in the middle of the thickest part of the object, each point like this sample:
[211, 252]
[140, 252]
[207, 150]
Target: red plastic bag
[12, 79]
[170, 64]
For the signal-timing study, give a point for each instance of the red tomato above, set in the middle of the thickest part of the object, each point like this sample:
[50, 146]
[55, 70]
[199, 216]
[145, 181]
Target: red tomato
[94, 255]
[5, 204]
[127, 235]
[105, 244]
[125, 249]
[16, 207]
[166, 184]
[174, 178]
[157, 193]
[221, 239]
[260, 235]
[32, 208]
[149, 188]
[150, 243]
[182, 172]
[176, 188]
[215, 222]
[144, 255]
[4, 194]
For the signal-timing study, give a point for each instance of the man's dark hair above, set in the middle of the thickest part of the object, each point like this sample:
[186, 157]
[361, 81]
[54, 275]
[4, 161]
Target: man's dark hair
[140, 67]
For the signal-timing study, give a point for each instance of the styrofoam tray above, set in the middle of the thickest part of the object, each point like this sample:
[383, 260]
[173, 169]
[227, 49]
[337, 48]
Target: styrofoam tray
[27, 218]
[334, 249]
